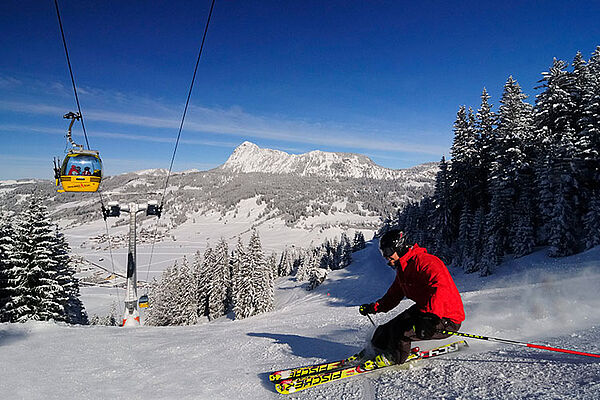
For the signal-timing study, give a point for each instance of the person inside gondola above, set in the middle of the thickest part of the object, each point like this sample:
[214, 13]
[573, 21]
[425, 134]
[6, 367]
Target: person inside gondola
[74, 170]
[86, 171]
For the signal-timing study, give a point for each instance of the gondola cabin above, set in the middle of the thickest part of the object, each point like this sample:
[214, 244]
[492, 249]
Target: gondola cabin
[143, 301]
[81, 171]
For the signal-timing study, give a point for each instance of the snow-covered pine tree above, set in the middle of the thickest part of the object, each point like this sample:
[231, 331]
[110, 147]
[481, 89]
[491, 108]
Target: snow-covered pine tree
[590, 117]
[217, 299]
[346, 251]
[185, 287]
[589, 142]
[285, 263]
[273, 266]
[327, 261]
[580, 80]
[7, 262]
[37, 294]
[513, 136]
[243, 288]
[462, 174]
[472, 262]
[463, 243]
[316, 274]
[496, 220]
[485, 123]
[522, 235]
[262, 276]
[556, 123]
[205, 279]
[544, 201]
[162, 298]
[441, 223]
[514, 153]
[359, 241]
[562, 239]
[73, 307]
[336, 258]
[304, 266]
[592, 223]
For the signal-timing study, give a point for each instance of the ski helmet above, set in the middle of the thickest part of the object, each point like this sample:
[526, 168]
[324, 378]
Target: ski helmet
[393, 241]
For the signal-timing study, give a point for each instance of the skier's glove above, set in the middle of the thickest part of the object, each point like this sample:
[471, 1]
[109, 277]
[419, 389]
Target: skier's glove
[426, 325]
[370, 308]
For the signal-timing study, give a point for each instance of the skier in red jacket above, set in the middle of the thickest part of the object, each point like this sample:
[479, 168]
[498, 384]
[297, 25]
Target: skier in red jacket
[423, 278]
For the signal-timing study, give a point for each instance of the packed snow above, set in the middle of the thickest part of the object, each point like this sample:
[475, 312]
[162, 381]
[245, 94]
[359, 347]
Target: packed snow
[534, 298]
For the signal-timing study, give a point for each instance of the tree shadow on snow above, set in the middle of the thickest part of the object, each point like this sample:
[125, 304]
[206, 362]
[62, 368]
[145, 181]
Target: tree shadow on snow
[306, 347]
[8, 337]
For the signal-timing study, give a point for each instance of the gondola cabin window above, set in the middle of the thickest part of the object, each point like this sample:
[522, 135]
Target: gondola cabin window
[83, 165]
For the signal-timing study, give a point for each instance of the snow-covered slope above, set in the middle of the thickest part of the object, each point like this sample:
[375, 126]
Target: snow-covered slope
[248, 157]
[534, 298]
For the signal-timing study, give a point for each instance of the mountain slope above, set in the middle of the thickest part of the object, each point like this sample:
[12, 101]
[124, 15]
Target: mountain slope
[547, 300]
[248, 157]
[293, 188]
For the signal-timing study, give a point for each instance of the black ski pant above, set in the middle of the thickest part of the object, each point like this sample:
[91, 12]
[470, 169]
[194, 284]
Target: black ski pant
[395, 337]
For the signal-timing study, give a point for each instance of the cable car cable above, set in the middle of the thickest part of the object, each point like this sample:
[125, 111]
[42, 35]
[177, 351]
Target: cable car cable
[62, 32]
[187, 102]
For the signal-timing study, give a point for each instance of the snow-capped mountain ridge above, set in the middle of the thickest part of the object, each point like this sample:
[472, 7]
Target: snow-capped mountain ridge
[248, 157]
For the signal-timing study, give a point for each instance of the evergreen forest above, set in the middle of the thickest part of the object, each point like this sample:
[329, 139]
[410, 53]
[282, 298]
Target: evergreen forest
[240, 283]
[521, 177]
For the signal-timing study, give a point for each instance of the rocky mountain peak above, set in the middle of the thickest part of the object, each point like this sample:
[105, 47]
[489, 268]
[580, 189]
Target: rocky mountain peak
[248, 157]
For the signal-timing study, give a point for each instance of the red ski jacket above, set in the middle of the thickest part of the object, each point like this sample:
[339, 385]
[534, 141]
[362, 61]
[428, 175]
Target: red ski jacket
[424, 278]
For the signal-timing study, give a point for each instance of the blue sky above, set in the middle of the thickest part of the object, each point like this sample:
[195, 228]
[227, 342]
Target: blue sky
[381, 78]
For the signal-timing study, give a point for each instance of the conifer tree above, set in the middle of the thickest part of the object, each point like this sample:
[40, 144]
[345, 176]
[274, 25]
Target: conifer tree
[262, 276]
[346, 251]
[272, 264]
[465, 152]
[556, 121]
[37, 294]
[336, 256]
[589, 172]
[359, 241]
[7, 261]
[316, 274]
[186, 295]
[327, 262]
[463, 245]
[285, 263]
[592, 223]
[485, 126]
[514, 154]
[73, 307]
[219, 271]
[162, 305]
[205, 279]
[441, 224]
[244, 290]
[302, 272]
[472, 261]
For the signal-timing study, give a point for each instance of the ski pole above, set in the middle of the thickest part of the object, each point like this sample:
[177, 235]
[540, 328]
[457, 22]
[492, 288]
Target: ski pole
[534, 346]
[371, 319]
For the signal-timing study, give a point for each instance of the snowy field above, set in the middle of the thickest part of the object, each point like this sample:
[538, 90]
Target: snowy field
[203, 230]
[534, 299]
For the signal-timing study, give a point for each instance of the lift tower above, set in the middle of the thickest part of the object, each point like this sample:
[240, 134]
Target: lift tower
[131, 316]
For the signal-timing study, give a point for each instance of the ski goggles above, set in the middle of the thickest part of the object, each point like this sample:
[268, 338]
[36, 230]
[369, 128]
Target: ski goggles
[387, 252]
